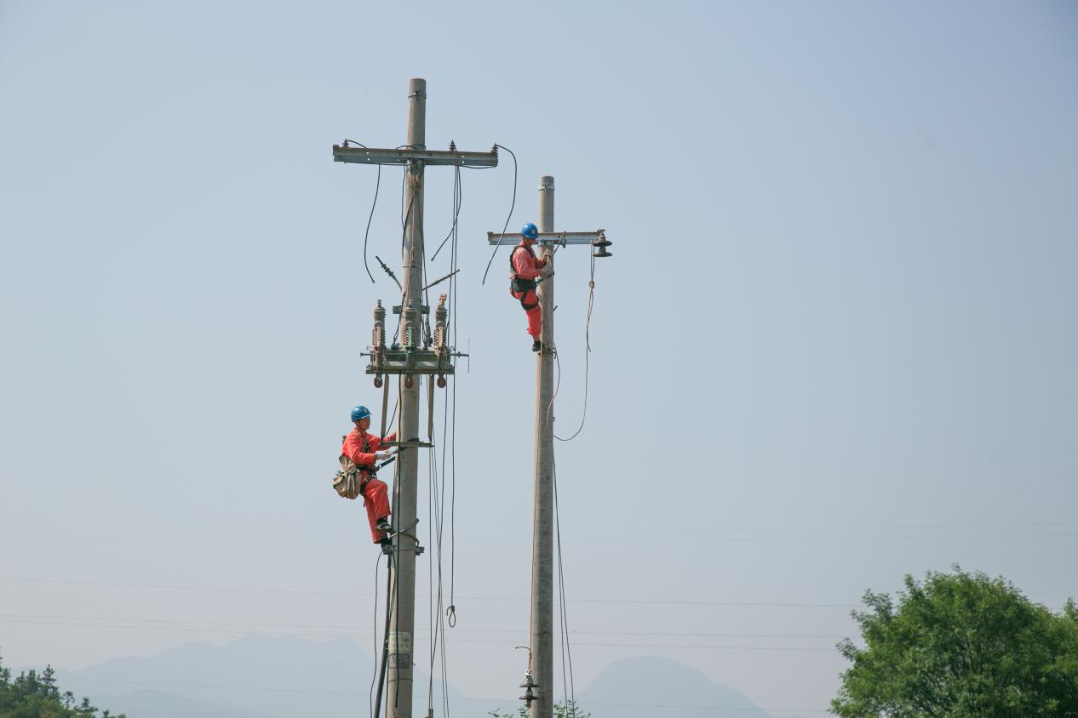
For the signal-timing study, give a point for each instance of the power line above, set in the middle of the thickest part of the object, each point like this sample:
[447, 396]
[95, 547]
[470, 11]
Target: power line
[240, 625]
[308, 691]
[239, 589]
[128, 536]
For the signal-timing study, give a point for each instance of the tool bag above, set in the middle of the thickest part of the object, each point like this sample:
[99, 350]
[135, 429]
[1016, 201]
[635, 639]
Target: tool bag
[348, 482]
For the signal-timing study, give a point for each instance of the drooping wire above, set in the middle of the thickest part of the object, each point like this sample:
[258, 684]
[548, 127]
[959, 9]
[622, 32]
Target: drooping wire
[458, 193]
[587, 358]
[512, 205]
[404, 243]
[454, 258]
[366, 234]
[567, 652]
[374, 635]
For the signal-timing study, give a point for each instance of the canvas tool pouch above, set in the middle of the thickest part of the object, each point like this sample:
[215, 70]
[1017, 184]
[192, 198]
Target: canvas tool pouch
[348, 481]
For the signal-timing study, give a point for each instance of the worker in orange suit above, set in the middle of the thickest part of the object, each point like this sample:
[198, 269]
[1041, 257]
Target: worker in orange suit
[365, 450]
[524, 270]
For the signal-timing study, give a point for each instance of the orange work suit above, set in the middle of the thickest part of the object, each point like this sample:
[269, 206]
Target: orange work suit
[360, 448]
[525, 268]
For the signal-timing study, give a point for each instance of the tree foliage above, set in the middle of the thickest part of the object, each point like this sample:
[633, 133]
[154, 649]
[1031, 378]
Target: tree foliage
[568, 709]
[36, 695]
[960, 645]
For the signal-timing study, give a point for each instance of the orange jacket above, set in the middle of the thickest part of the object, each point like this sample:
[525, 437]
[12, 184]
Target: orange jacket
[525, 264]
[353, 448]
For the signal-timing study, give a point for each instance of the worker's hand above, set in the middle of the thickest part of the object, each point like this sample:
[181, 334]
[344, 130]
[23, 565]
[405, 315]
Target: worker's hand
[385, 453]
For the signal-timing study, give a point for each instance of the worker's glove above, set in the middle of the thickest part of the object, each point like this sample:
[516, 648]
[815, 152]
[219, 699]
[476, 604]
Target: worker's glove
[385, 454]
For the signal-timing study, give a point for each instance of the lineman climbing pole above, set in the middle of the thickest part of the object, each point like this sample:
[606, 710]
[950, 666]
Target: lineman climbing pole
[540, 694]
[415, 355]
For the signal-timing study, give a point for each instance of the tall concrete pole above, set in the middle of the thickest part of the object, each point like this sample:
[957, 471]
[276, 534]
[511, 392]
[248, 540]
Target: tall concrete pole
[402, 622]
[542, 606]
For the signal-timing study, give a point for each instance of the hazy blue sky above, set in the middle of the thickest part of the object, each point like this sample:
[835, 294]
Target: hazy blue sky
[836, 344]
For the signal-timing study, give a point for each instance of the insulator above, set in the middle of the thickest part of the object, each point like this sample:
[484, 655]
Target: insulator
[441, 314]
[410, 327]
[601, 243]
[379, 332]
[441, 381]
[602, 253]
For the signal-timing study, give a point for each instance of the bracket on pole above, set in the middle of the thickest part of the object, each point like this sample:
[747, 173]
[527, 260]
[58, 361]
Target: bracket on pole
[370, 156]
[560, 238]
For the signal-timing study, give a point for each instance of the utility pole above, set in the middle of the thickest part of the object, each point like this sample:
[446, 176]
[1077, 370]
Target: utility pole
[541, 662]
[413, 356]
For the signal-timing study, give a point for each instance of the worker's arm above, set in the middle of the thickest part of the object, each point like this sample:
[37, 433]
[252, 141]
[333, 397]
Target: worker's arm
[353, 449]
[525, 266]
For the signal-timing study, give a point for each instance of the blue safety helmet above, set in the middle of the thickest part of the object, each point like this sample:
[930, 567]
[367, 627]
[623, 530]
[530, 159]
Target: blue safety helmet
[530, 231]
[360, 412]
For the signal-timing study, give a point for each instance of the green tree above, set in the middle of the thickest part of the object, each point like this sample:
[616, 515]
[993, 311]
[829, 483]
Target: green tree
[568, 709]
[960, 645]
[33, 695]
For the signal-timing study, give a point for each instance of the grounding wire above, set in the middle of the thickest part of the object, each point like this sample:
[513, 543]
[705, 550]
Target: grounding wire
[512, 205]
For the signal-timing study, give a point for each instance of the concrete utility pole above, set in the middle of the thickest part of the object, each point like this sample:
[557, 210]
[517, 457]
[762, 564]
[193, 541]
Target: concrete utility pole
[542, 605]
[542, 598]
[402, 569]
[413, 356]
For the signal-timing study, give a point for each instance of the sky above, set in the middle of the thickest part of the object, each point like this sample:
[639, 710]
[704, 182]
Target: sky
[836, 343]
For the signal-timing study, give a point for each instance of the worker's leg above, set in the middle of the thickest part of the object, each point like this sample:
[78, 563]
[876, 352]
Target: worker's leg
[376, 501]
[530, 300]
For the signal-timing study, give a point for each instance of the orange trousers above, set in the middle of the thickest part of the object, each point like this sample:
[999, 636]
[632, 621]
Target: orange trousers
[530, 301]
[376, 501]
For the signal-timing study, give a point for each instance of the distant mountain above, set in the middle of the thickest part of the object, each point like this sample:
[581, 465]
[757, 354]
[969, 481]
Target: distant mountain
[255, 676]
[158, 704]
[653, 687]
[283, 677]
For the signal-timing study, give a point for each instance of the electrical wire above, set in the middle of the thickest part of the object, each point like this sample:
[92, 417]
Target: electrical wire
[374, 636]
[587, 360]
[567, 653]
[374, 203]
[512, 205]
[458, 193]
[307, 691]
[303, 592]
[243, 626]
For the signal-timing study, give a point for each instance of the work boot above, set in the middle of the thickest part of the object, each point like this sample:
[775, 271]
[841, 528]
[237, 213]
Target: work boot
[383, 526]
[537, 345]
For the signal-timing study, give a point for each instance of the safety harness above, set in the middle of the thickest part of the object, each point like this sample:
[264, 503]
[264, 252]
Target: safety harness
[351, 479]
[520, 285]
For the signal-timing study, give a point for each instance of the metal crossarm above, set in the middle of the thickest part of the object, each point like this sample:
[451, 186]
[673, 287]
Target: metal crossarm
[549, 237]
[371, 156]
